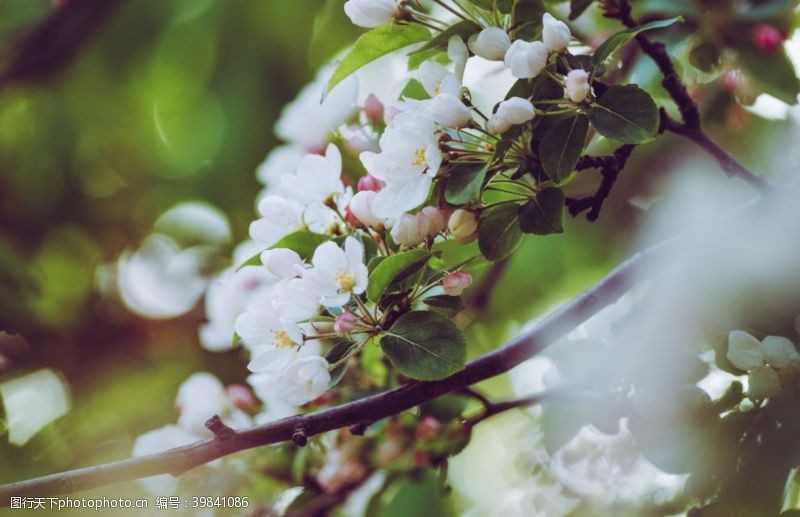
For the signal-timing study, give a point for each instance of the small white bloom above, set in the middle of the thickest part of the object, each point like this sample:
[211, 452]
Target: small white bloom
[281, 161]
[744, 351]
[491, 43]
[371, 13]
[263, 331]
[337, 273]
[437, 79]
[511, 112]
[279, 218]
[304, 380]
[555, 33]
[459, 54]
[778, 351]
[447, 110]
[282, 262]
[293, 300]
[762, 383]
[406, 231]
[362, 207]
[317, 179]
[200, 397]
[526, 59]
[462, 224]
[577, 85]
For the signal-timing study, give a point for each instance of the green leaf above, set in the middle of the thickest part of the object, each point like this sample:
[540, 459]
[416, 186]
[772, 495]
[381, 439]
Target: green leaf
[625, 113]
[376, 43]
[394, 268]
[445, 408]
[464, 29]
[443, 301]
[504, 6]
[464, 182]
[302, 242]
[416, 59]
[609, 46]
[255, 260]
[562, 145]
[577, 7]
[544, 214]
[414, 90]
[773, 71]
[334, 355]
[499, 233]
[332, 32]
[528, 19]
[425, 346]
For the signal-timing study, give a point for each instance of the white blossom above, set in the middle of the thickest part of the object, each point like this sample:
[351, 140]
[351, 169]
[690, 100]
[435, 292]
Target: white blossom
[577, 85]
[449, 111]
[744, 351]
[526, 59]
[279, 217]
[317, 179]
[160, 440]
[458, 53]
[778, 351]
[202, 396]
[431, 221]
[303, 380]
[462, 224]
[371, 13]
[762, 383]
[281, 161]
[437, 79]
[555, 33]
[282, 262]
[406, 231]
[490, 43]
[337, 273]
[511, 112]
[362, 207]
[293, 300]
[272, 340]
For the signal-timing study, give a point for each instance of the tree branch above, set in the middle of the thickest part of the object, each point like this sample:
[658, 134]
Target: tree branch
[370, 409]
[610, 166]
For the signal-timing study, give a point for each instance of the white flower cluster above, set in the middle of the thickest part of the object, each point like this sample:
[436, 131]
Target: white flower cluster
[763, 361]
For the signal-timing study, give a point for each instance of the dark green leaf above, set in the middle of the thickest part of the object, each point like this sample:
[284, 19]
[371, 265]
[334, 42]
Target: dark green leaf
[425, 346]
[544, 87]
[499, 233]
[504, 6]
[625, 113]
[609, 46]
[393, 268]
[773, 71]
[376, 43]
[464, 29]
[528, 19]
[543, 215]
[464, 182]
[302, 242]
[577, 7]
[335, 354]
[443, 301]
[562, 145]
[705, 56]
[446, 408]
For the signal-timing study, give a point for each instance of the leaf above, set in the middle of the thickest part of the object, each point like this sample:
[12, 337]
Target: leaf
[528, 19]
[609, 46]
[332, 32]
[335, 354]
[255, 260]
[464, 29]
[376, 43]
[544, 87]
[499, 233]
[577, 7]
[773, 71]
[562, 145]
[414, 90]
[544, 214]
[443, 301]
[393, 268]
[302, 242]
[625, 113]
[504, 6]
[416, 59]
[464, 182]
[445, 408]
[425, 346]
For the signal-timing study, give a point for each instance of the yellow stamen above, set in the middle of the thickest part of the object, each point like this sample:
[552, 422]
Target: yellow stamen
[346, 281]
[419, 158]
[282, 340]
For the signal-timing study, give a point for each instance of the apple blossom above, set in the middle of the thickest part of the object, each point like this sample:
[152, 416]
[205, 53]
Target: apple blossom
[455, 283]
[271, 339]
[337, 273]
[431, 221]
[437, 79]
[373, 109]
[490, 43]
[317, 178]
[458, 53]
[577, 85]
[369, 183]
[511, 112]
[462, 224]
[282, 262]
[241, 397]
[303, 380]
[293, 300]
[555, 33]
[449, 111]
[526, 59]
[345, 322]
[406, 232]
[744, 351]
[202, 396]
[279, 217]
[280, 161]
[371, 13]
[361, 206]
[779, 351]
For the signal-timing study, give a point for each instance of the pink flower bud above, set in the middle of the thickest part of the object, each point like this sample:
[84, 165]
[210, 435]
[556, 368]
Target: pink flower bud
[242, 397]
[369, 182]
[428, 428]
[431, 221]
[455, 283]
[350, 218]
[767, 38]
[345, 322]
[373, 109]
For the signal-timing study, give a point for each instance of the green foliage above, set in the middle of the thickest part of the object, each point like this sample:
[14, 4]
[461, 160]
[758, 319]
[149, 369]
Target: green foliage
[528, 19]
[394, 269]
[773, 72]
[562, 145]
[464, 182]
[577, 7]
[463, 29]
[376, 43]
[625, 113]
[425, 346]
[609, 46]
[543, 215]
[302, 242]
[499, 232]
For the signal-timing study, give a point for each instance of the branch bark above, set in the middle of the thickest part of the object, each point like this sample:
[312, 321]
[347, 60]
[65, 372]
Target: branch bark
[370, 409]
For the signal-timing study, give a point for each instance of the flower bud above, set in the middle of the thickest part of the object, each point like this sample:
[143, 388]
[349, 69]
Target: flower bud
[431, 221]
[369, 182]
[577, 85]
[373, 109]
[242, 397]
[455, 283]
[351, 219]
[762, 383]
[555, 33]
[462, 224]
[344, 323]
[778, 351]
[427, 428]
[406, 231]
[767, 38]
[361, 207]
[282, 262]
[371, 13]
[447, 110]
[490, 43]
[744, 351]
[526, 59]
[513, 111]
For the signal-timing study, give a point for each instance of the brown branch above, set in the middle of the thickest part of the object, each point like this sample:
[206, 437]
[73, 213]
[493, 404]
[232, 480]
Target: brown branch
[610, 167]
[370, 409]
